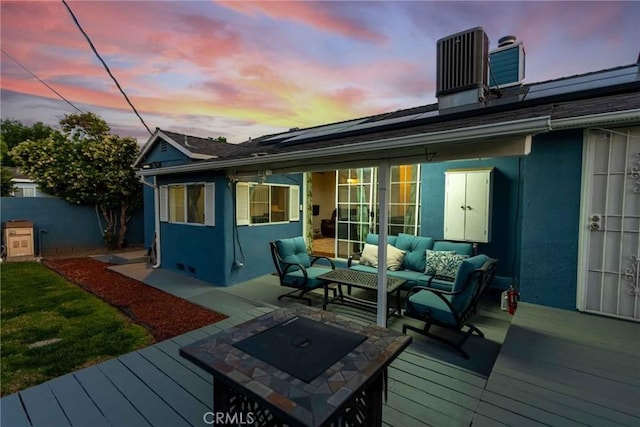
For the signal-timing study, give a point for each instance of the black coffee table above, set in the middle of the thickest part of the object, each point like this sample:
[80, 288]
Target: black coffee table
[362, 280]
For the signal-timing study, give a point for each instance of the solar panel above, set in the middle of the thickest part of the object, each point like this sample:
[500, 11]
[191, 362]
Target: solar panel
[587, 82]
[324, 130]
[281, 137]
[385, 122]
[355, 125]
[433, 113]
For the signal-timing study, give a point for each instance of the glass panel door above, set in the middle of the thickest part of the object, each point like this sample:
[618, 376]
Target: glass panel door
[355, 191]
[403, 199]
[357, 201]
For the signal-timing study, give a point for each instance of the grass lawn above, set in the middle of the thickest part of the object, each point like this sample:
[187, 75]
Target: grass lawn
[39, 305]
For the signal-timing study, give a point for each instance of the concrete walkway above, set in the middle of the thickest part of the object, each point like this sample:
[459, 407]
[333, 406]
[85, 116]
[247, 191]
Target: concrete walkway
[231, 301]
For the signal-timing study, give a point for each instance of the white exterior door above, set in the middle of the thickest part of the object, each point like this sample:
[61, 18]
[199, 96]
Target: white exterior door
[609, 263]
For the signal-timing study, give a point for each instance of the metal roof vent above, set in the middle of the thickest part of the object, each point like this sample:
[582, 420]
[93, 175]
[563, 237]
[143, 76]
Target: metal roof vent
[506, 63]
[463, 60]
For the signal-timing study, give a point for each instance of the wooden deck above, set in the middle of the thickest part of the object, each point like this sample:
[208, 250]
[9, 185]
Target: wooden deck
[562, 368]
[555, 368]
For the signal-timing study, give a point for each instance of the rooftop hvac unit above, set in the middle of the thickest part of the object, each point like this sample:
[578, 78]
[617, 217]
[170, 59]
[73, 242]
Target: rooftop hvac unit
[506, 63]
[462, 62]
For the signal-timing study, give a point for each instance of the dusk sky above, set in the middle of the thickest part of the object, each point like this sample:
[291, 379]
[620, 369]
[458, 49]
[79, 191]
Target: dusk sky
[244, 69]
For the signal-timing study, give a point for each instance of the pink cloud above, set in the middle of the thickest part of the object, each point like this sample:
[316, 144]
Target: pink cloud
[316, 14]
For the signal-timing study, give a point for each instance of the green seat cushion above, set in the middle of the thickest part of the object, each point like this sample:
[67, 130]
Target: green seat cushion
[410, 276]
[294, 251]
[415, 249]
[372, 239]
[427, 303]
[457, 247]
[296, 278]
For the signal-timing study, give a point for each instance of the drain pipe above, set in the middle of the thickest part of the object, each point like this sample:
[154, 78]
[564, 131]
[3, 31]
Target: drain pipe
[40, 233]
[156, 214]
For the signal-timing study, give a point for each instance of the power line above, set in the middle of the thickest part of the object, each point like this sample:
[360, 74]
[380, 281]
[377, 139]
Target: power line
[40, 80]
[106, 67]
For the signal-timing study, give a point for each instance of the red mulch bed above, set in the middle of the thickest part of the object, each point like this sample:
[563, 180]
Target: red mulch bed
[163, 314]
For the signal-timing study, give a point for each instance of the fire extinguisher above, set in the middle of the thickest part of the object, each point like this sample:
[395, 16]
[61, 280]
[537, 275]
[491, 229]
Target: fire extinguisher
[512, 299]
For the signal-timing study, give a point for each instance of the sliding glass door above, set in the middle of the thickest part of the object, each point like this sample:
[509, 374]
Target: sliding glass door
[357, 207]
[355, 197]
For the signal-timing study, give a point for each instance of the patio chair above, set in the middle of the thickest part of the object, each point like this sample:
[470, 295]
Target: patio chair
[452, 309]
[296, 268]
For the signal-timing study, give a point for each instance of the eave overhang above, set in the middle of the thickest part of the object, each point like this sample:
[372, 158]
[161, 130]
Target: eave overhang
[431, 146]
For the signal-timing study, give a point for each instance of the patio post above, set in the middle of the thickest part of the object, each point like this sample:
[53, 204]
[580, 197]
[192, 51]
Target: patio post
[383, 205]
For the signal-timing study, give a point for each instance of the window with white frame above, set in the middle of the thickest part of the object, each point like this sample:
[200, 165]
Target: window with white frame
[189, 203]
[266, 203]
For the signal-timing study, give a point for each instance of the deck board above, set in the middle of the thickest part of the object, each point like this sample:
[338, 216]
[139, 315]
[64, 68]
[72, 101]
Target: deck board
[172, 349]
[463, 377]
[186, 404]
[12, 412]
[581, 410]
[527, 410]
[43, 408]
[197, 386]
[394, 417]
[420, 404]
[431, 388]
[491, 414]
[77, 405]
[116, 409]
[560, 368]
[416, 412]
[147, 402]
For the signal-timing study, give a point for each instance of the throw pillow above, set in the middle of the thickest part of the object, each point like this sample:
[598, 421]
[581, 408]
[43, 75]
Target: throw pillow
[369, 255]
[449, 269]
[394, 258]
[443, 264]
[434, 260]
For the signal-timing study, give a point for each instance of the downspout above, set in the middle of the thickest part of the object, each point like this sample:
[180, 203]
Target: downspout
[156, 212]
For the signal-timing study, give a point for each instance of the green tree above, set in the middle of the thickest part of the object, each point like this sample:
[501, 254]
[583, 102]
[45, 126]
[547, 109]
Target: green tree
[14, 132]
[85, 164]
[6, 186]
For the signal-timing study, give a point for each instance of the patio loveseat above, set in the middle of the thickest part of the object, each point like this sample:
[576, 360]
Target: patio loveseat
[423, 261]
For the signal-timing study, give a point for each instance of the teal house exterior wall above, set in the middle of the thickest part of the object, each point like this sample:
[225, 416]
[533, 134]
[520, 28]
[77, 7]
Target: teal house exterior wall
[160, 155]
[506, 218]
[165, 155]
[550, 220]
[253, 240]
[536, 211]
[195, 250]
[535, 215]
[223, 254]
